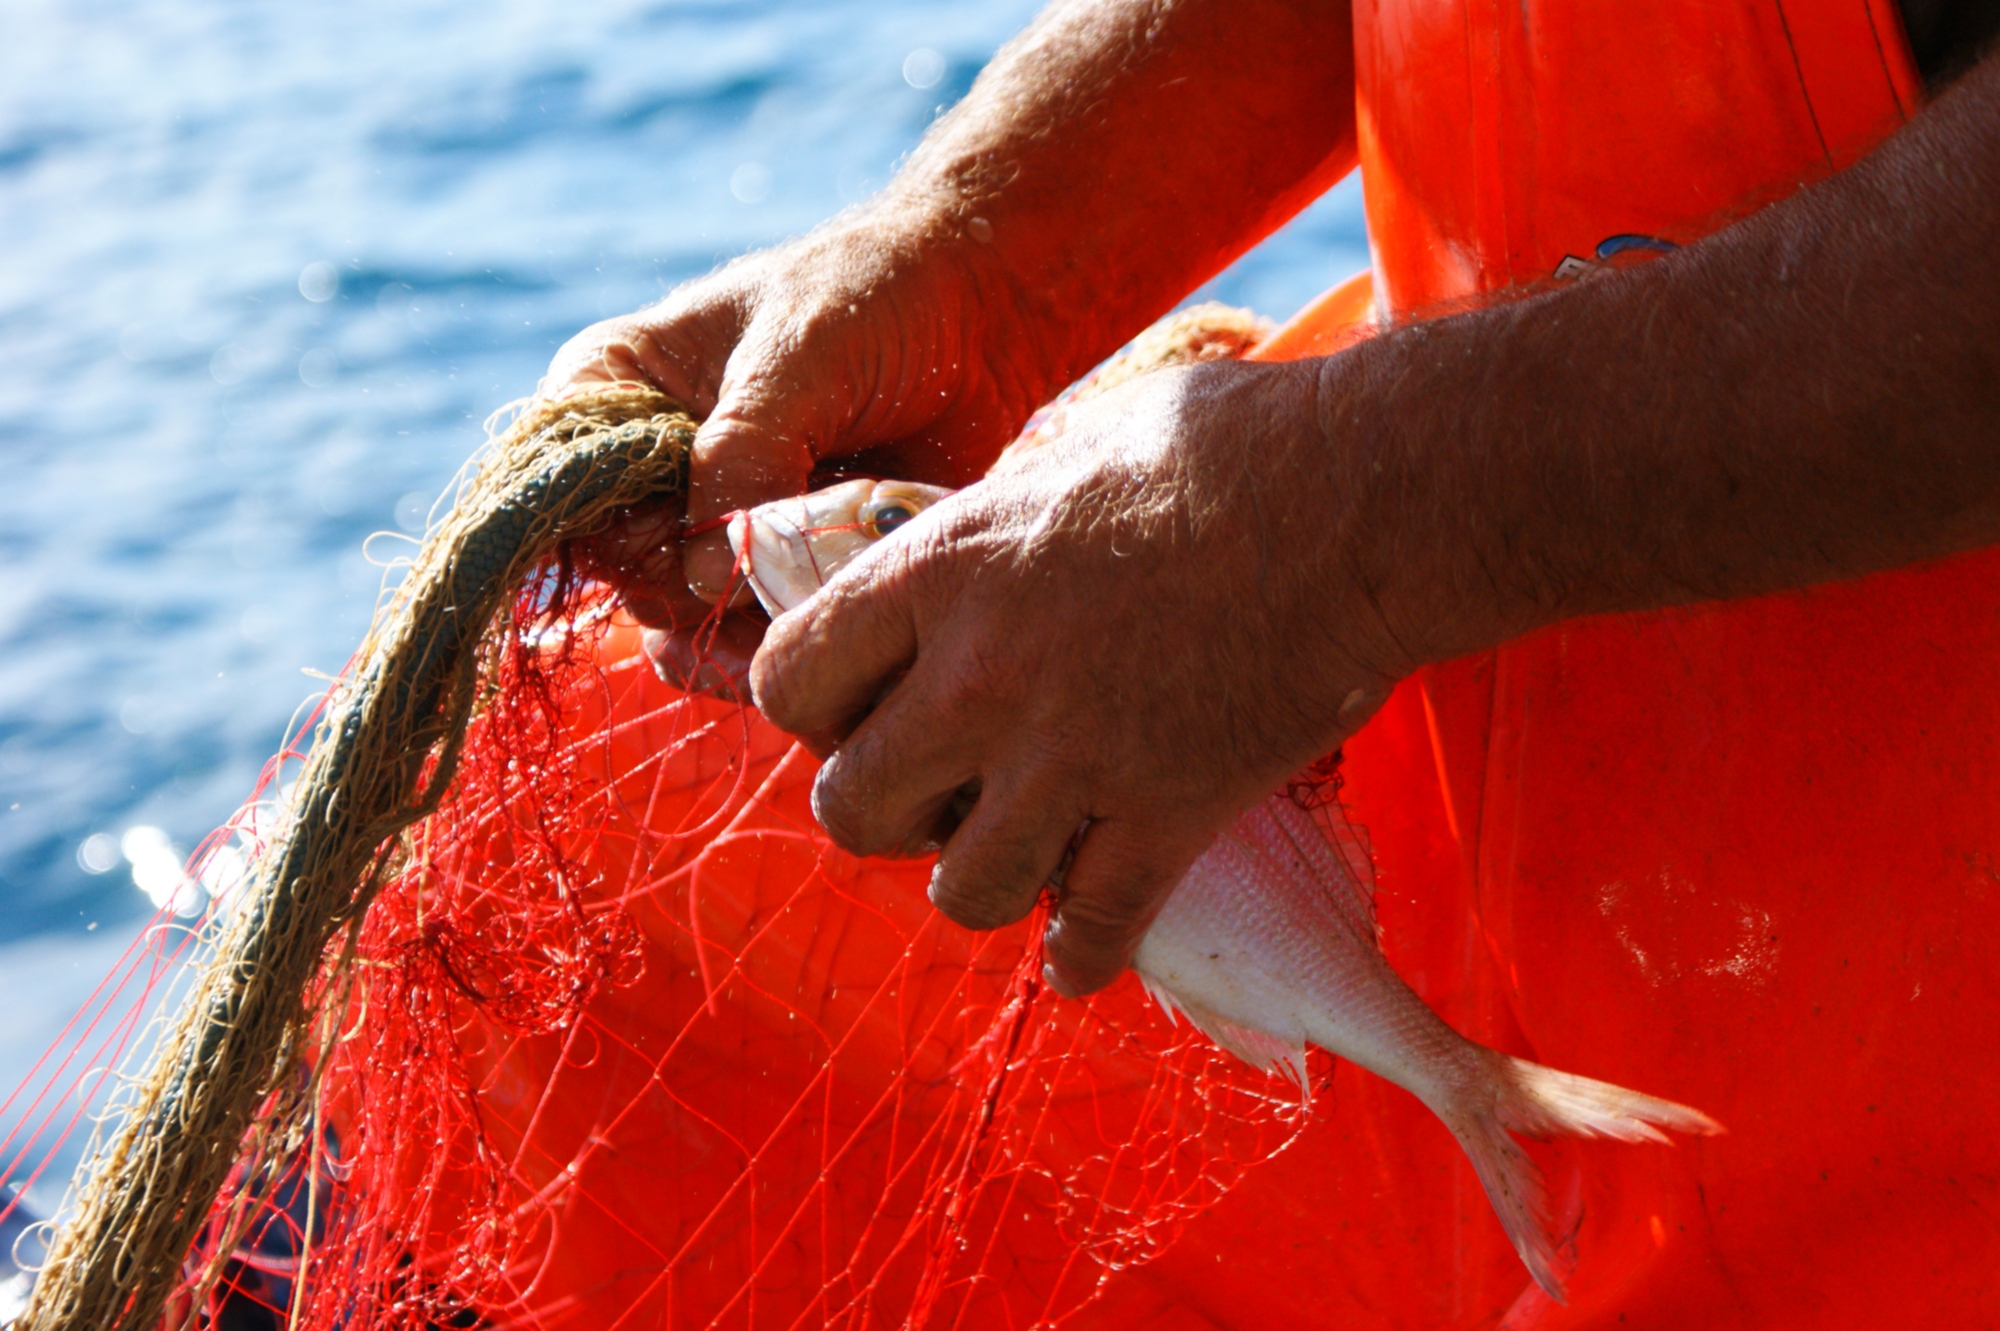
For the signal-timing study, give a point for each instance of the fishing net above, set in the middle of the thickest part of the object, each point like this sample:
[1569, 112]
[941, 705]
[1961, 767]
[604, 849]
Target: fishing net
[545, 1003]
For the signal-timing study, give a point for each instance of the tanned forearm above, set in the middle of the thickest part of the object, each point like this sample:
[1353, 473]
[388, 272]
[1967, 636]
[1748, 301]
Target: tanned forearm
[1120, 152]
[1208, 576]
[1811, 394]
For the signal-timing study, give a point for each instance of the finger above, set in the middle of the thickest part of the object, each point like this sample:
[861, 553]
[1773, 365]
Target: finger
[644, 543]
[747, 453]
[996, 864]
[675, 611]
[884, 788]
[640, 557]
[640, 552]
[680, 346]
[1117, 883]
[712, 658]
[826, 664]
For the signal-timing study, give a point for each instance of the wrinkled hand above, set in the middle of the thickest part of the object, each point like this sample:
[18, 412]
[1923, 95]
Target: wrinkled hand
[878, 343]
[1132, 629]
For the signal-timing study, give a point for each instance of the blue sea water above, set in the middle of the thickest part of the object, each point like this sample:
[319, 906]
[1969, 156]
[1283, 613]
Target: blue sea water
[267, 268]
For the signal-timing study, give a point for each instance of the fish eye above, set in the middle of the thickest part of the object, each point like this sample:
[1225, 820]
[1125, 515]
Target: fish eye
[882, 516]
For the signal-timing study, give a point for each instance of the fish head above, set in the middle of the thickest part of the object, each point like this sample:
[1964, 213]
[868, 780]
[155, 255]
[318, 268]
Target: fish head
[789, 548]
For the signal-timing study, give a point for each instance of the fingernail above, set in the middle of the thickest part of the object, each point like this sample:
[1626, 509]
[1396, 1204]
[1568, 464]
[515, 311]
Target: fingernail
[813, 798]
[1360, 704]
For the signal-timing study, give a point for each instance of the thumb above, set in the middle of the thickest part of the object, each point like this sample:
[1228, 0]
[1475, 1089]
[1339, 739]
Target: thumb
[746, 453]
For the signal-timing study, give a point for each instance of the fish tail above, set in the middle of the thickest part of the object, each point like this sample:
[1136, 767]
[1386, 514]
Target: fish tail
[1530, 1099]
[1545, 1103]
[1514, 1186]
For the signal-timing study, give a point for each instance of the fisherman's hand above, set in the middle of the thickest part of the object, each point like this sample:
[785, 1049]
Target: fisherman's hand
[1094, 174]
[877, 341]
[1131, 630]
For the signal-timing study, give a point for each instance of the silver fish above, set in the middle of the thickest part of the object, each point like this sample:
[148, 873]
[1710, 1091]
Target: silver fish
[1269, 943]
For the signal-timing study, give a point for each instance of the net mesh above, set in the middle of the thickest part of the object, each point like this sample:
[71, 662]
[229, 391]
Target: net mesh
[632, 1044]
[624, 1040]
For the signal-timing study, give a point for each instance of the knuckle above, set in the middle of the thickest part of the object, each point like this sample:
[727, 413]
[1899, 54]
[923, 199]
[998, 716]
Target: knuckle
[756, 452]
[579, 358]
[991, 672]
[619, 343]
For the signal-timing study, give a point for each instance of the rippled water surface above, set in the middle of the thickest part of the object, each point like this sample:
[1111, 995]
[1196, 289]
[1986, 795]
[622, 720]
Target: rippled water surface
[267, 268]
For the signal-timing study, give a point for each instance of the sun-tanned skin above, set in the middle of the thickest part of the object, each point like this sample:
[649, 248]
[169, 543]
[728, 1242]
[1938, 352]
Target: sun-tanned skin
[1215, 575]
[1108, 161]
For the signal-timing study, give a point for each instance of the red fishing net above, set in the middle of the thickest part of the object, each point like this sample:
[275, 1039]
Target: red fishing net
[627, 1042]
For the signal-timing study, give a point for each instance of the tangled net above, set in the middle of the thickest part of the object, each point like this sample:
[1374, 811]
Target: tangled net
[386, 753]
[549, 1005]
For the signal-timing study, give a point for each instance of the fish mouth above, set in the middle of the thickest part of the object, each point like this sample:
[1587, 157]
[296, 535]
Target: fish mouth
[789, 548]
[774, 558]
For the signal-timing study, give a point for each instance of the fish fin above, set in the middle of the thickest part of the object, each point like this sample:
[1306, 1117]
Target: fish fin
[1322, 843]
[1545, 1103]
[1259, 1049]
[1541, 1102]
[1161, 995]
[1345, 837]
[1514, 1186]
